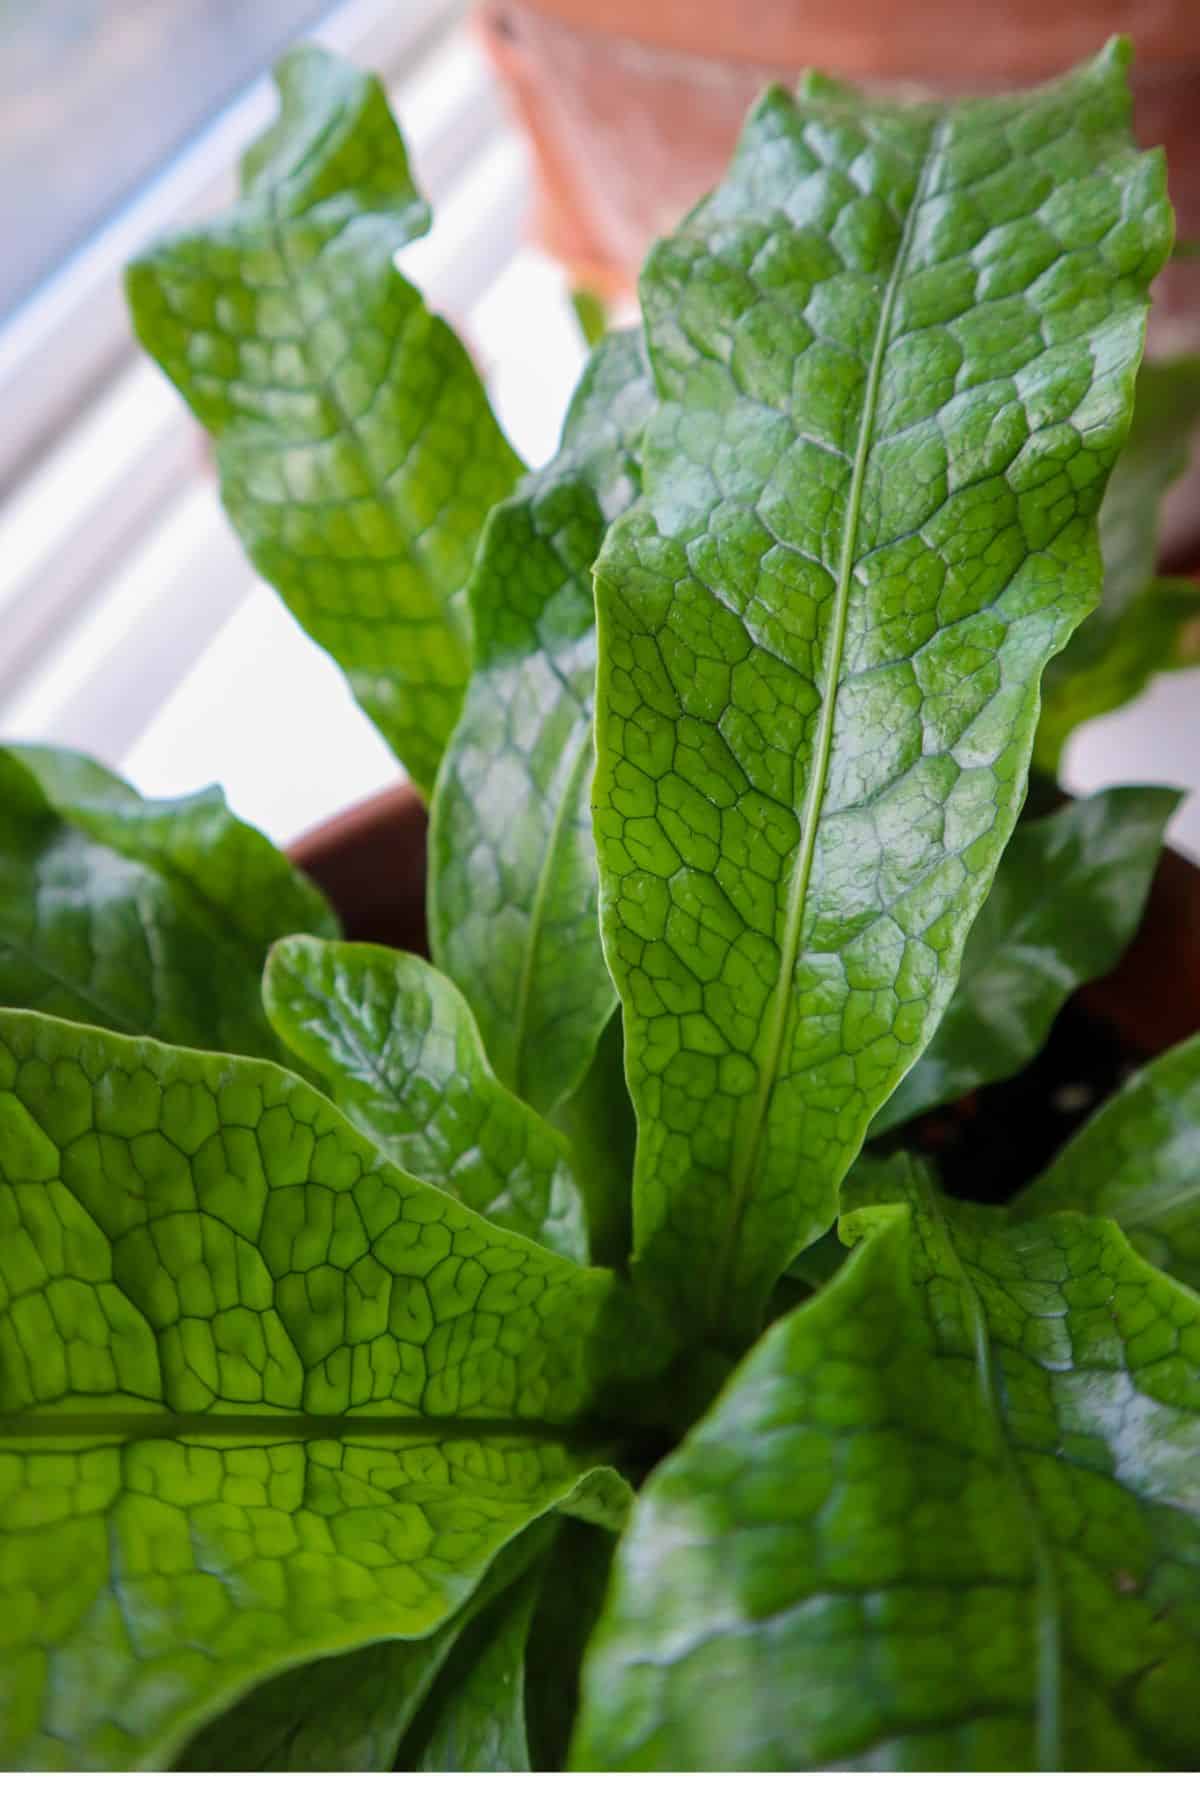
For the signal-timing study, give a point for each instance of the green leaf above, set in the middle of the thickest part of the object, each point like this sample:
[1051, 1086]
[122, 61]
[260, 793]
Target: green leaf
[598, 1123]
[1140, 625]
[347, 1713]
[357, 453]
[1157, 635]
[263, 1397]
[896, 352]
[512, 883]
[873, 1182]
[1137, 1160]
[397, 1047]
[591, 315]
[145, 916]
[572, 1593]
[1067, 898]
[477, 1722]
[943, 1517]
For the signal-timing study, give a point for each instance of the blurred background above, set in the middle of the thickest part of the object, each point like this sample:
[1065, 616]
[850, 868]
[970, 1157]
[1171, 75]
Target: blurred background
[554, 140]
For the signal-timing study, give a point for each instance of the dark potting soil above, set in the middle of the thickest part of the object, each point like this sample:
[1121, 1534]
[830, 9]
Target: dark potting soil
[990, 1144]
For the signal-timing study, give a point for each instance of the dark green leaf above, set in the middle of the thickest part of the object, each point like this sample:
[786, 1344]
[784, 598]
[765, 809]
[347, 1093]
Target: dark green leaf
[1067, 898]
[397, 1047]
[572, 1593]
[1137, 1161]
[943, 1517]
[357, 452]
[145, 916]
[896, 352]
[263, 1397]
[598, 1123]
[512, 897]
[476, 1722]
[1140, 625]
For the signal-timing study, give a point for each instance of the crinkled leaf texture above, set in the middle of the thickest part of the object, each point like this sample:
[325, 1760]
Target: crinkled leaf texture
[144, 916]
[263, 1397]
[1066, 900]
[1141, 624]
[357, 452]
[348, 1713]
[512, 883]
[397, 1047]
[943, 1517]
[1137, 1160]
[895, 351]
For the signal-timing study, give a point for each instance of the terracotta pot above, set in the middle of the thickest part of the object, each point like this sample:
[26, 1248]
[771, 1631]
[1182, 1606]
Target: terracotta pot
[370, 861]
[632, 107]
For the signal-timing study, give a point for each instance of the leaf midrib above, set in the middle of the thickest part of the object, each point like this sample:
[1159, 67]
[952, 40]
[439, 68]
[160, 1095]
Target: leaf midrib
[748, 1134]
[1046, 1594]
[137, 1425]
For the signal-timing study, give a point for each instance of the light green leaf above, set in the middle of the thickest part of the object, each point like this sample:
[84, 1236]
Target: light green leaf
[263, 1397]
[943, 1517]
[347, 1713]
[397, 1047]
[896, 352]
[145, 916]
[512, 881]
[1141, 625]
[477, 1723]
[357, 452]
[1137, 1160]
[1067, 898]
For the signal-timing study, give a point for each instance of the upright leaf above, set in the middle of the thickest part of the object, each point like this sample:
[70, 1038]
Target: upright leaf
[943, 1517]
[578, 1565]
[347, 1713]
[263, 1397]
[145, 916]
[477, 1723]
[598, 1123]
[1141, 625]
[398, 1049]
[896, 351]
[1137, 1160]
[513, 907]
[357, 452]
[1067, 898]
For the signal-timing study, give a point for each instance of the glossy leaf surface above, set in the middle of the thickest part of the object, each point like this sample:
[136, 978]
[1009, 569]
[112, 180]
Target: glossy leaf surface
[943, 1517]
[513, 899]
[1141, 625]
[1067, 898]
[400, 1053]
[263, 1397]
[478, 1725]
[1137, 1160]
[895, 352]
[357, 452]
[143, 916]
